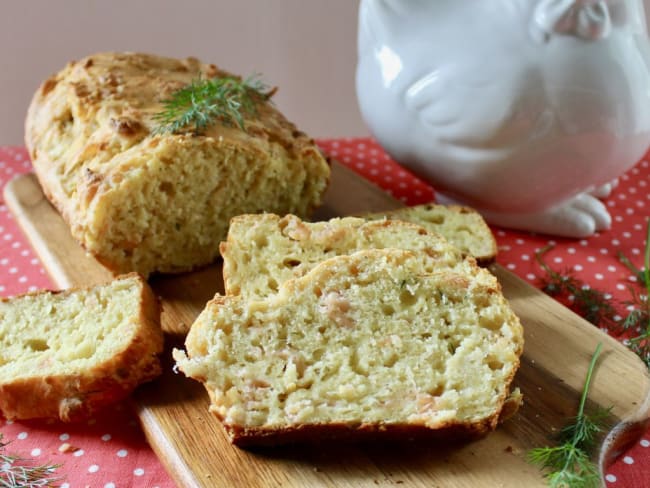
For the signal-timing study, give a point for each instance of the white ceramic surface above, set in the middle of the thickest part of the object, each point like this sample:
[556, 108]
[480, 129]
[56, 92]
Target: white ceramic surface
[527, 110]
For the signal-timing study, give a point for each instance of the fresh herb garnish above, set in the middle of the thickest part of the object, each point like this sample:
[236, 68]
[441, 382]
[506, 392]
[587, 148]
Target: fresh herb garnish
[590, 303]
[569, 463]
[205, 102]
[19, 472]
[599, 309]
[637, 323]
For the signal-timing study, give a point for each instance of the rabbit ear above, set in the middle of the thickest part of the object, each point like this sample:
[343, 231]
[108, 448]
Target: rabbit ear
[586, 19]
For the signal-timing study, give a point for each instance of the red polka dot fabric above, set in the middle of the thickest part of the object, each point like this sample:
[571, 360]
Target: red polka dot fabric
[110, 450]
[593, 261]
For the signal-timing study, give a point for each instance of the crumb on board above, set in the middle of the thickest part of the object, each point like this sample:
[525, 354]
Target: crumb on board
[67, 448]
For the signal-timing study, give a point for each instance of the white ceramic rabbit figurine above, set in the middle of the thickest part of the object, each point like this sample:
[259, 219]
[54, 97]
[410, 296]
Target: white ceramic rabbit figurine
[526, 110]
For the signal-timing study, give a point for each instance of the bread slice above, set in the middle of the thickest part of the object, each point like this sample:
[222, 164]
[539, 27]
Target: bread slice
[462, 226]
[150, 202]
[364, 344]
[66, 354]
[264, 250]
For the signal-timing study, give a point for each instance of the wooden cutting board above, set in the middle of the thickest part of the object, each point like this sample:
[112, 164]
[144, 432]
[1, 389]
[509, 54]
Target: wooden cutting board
[192, 446]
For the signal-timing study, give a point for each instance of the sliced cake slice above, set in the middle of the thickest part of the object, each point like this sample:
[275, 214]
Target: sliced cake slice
[66, 354]
[368, 344]
[462, 226]
[264, 250]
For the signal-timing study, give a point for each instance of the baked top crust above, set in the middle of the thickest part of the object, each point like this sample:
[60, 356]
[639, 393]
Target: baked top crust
[89, 134]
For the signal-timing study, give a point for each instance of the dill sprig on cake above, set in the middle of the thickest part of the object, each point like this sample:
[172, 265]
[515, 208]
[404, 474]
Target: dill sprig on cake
[204, 102]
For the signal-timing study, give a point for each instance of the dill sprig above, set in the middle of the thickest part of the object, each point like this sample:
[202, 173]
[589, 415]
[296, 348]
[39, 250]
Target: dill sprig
[205, 102]
[569, 462]
[19, 472]
[637, 322]
[596, 307]
[590, 303]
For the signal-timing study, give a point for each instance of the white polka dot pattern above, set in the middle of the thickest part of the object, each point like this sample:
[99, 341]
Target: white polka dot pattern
[88, 457]
[104, 453]
[16, 258]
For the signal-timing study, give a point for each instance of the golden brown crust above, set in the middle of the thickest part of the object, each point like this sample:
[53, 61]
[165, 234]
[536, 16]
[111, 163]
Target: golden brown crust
[89, 134]
[77, 395]
[456, 432]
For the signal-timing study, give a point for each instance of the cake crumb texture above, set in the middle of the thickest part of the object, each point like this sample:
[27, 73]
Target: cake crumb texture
[462, 226]
[66, 354]
[263, 251]
[363, 343]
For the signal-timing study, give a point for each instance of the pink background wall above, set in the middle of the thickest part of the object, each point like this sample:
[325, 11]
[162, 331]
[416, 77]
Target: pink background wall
[305, 47]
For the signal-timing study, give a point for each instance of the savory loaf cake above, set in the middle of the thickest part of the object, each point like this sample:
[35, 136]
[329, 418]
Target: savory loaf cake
[462, 226]
[66, 354]
[141, 198]
[364, 344]
[262, 251]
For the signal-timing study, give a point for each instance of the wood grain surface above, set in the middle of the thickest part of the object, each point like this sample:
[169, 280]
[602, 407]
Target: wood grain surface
[194, 449]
